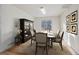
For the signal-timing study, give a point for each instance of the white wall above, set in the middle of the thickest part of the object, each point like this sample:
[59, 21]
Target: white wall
[55, 23]
[0, 24]
[71, 39]
[9, 14]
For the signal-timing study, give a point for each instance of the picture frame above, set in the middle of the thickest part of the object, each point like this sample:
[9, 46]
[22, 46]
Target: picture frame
[46, 24]
[74, 28]
[74, 16]
[68, 19]
[67, 28]
[72, 23]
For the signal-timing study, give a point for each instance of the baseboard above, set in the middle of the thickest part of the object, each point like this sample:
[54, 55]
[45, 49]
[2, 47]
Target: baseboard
[6, 48]
[71, 50]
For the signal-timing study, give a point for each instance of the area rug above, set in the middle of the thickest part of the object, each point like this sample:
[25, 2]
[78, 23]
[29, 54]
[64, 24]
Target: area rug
[28, 49]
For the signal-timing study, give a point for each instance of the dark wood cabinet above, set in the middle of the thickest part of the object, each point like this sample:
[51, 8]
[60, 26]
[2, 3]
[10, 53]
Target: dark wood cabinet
[25, 29]
[22, 30]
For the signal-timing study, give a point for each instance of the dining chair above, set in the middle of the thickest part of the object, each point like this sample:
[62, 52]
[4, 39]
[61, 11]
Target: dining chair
[58, 34]
[41, 41]
[33, 36]
[18, 39]
[59, 39]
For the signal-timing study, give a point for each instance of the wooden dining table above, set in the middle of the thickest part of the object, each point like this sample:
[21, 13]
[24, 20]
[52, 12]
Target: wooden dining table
[50, 38]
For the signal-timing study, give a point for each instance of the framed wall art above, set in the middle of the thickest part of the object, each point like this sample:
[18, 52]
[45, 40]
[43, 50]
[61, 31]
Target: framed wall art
[74, 16]
[74, 28]
[67, 19]
[46, 25]
[67, 28]
[72, 23]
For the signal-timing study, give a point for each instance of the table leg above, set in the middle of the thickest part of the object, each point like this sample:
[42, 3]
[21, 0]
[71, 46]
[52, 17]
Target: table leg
[51, 43]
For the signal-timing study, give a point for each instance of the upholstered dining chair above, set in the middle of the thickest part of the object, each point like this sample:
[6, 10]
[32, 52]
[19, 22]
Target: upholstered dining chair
[59, 39]
[41, 41]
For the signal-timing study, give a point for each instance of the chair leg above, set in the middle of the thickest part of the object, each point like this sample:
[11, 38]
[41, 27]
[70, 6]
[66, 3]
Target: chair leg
[36, 50]
[46, 50]
[31, 42]
[43, 50]
[61, 45]
[51, 43]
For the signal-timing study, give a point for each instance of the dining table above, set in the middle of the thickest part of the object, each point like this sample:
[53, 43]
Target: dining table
[51, 37]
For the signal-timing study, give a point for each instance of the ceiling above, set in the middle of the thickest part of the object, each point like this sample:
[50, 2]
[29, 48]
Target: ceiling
[34, 9]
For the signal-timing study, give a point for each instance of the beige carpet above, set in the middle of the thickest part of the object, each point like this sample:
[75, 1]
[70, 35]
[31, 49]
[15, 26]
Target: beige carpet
[27, 49]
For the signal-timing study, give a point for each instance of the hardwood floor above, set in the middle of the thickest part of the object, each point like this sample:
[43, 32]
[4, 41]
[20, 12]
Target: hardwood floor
[27, 49]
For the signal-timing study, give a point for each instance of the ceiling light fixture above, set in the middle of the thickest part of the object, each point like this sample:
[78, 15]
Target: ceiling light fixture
[43, 10]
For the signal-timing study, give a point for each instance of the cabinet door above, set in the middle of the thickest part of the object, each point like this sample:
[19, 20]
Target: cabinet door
[22, 29]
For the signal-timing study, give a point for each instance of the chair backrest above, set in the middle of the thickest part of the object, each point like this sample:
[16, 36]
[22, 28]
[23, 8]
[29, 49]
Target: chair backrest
[61, 36]
[58, 34]
[34, 32]
[41, 37]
